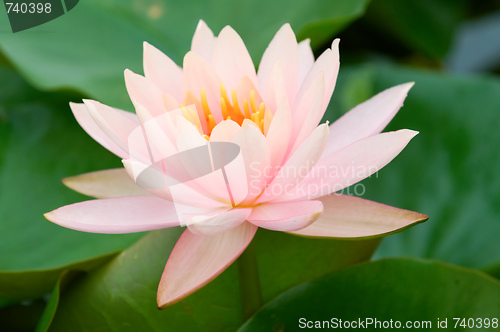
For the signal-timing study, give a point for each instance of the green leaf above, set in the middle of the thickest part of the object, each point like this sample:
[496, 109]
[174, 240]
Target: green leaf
[88, 48]
[40, 143]
[449, 171]
[388, 290]
[21, 285]
[51, 307]
[426, 26]
[122, 294]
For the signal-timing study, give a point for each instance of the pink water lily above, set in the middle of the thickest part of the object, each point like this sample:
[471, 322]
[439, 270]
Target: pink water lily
[290, 164]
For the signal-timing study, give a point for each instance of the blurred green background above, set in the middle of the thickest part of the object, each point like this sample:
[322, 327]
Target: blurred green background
[450, 171]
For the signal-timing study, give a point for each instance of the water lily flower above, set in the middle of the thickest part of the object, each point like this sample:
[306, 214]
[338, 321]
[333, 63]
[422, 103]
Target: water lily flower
[290, 165]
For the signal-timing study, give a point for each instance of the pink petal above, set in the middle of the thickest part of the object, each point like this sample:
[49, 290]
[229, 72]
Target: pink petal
[367, 119]
[198, 259]
[162, 71]
[218, 223]
[105, 184]
[203, 41]
[328, 63]
[115, 123]
[351, 164]
[286, 216]
[278, 135]
[143, 92]
[354, 217]
[86, 121]
[231, 60]
[282, 48]
[155, 139]
[309, 112]
[276, 91]
[188, 137]
[224, 131]
[198, 74]
[297, 166]
[117, 215]
[134, 169]
[256, 157]
[306, 59]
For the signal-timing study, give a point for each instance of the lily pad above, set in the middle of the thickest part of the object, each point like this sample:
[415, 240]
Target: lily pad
[39, 145]
[392, 292]
[122, 294]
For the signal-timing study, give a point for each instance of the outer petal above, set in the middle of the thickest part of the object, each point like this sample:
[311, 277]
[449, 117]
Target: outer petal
[351, 164]
[105, 184]
[143, 92]
[306, 59]
[354, 217]
[282, 48]
[309, 112]
[367, 119]
[329, 64]
[115, 123]
[88, 123]
[198, 259]
[276, 91]
[287, 216]
[218, 223]
[278, 135]
[231, 60]
[117, 215]
[203, 41]
[162, 71]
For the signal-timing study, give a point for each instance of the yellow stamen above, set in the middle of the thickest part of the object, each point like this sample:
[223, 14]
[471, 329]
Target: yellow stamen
[246, 108]
[236, 107]
[223, 93]
[252, 101]
[223, 108]
[254, 117]
[204, 104]
[210, 123]
[253, 110]
[261, 108]
[206, 137]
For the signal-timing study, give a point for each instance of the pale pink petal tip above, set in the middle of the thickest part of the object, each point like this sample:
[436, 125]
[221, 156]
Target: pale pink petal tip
[198, 259]
[354, 217]
[105, 184]
[117, 215]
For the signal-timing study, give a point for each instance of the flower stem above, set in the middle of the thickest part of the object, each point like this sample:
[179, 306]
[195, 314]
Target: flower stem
[251, 296]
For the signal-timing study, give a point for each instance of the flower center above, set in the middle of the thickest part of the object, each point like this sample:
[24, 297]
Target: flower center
[249, 111]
